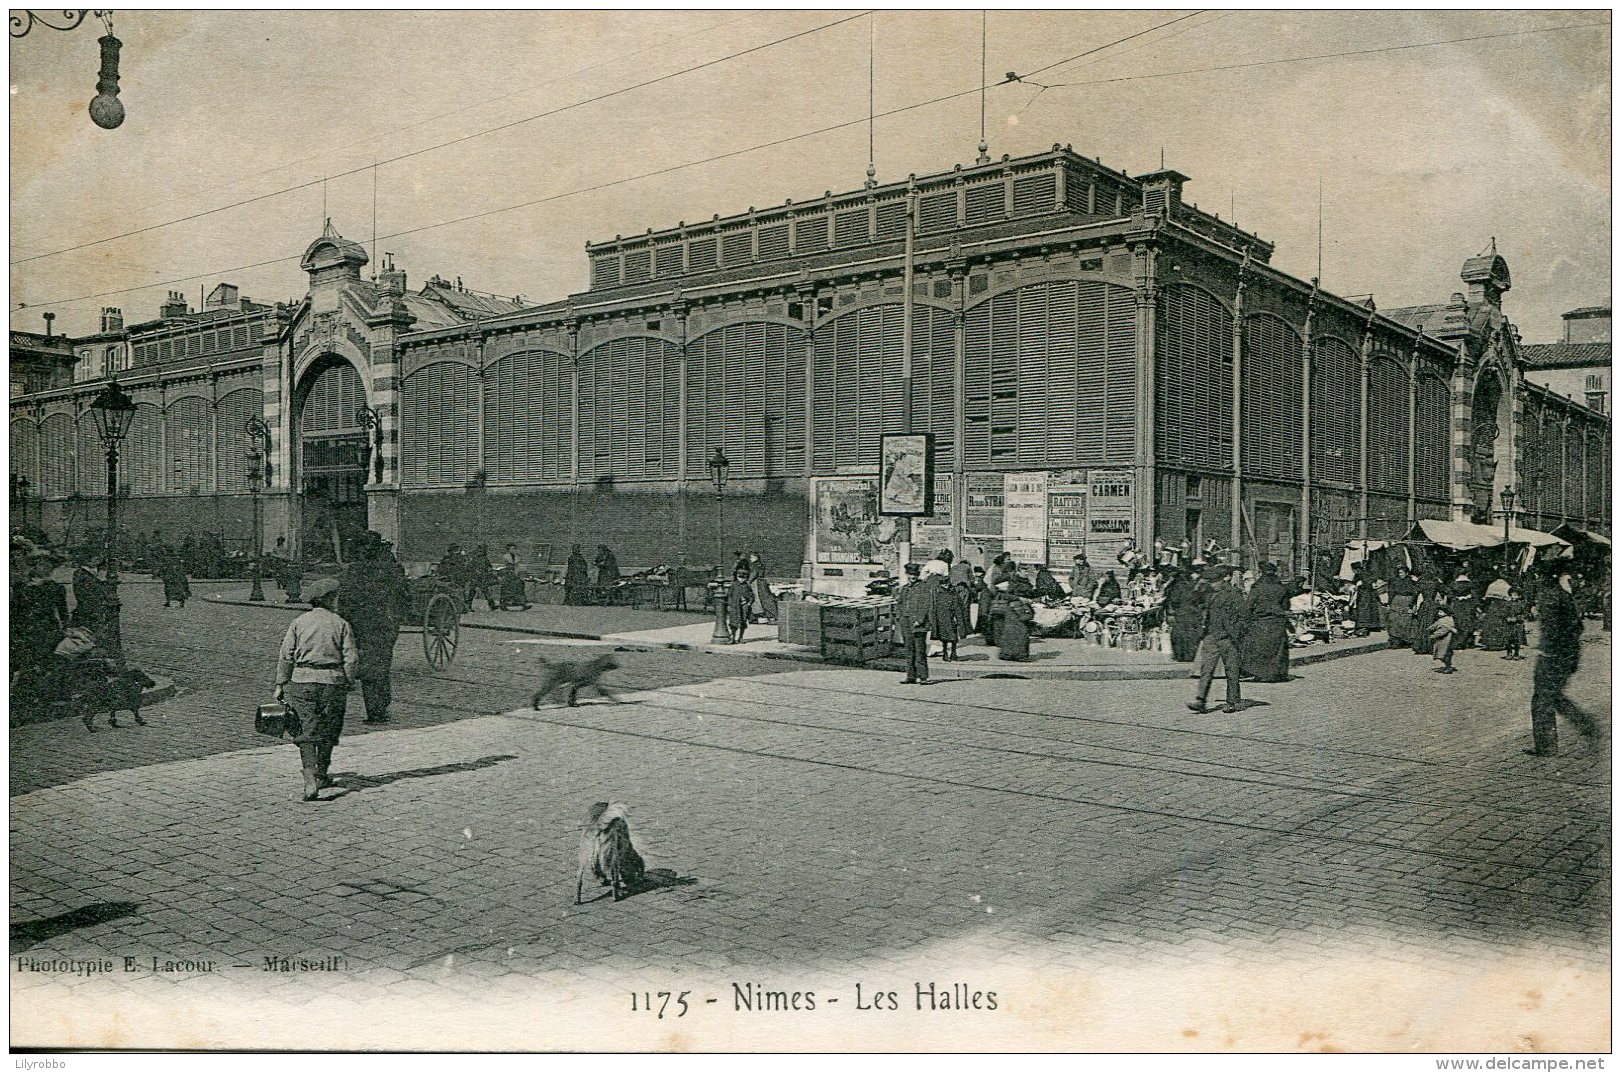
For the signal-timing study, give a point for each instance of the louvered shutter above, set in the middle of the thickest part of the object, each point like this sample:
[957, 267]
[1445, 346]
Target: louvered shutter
[810, 234]
[702, 254]
[737, 248]
[667, 259]
[57, 440]
[1004, 377]
[1193, 374]
[1272, 380]
[1121, 414]
[1031, 413]
[984, 202]
[1573, 470]
[142, 453]
[937, 212]
[977, 384]
[1387, 425]
[92, 459]
[850, 228]
[1433, 441]
[892, 220]
[187, 440]
[439, 406]
[1037, 194]
[774, 241]
[232, 439]
[1336, 419]
[25, 450]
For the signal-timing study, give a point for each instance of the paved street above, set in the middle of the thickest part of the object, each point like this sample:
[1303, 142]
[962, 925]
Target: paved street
[1363, 860]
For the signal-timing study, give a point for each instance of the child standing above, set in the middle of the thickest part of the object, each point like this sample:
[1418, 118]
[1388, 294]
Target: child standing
[1514, 618]
[1442, 635]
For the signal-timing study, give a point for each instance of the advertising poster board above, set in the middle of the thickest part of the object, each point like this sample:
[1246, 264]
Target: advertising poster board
[983, 506]
[939, 529]
[1024, 515]
[847, 521]
[1110, 505]
[906, 472]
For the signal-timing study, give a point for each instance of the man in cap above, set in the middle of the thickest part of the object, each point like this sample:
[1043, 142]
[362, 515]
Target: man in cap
[1225, 619]
[317, 665]
[373, 597]
[914, 611]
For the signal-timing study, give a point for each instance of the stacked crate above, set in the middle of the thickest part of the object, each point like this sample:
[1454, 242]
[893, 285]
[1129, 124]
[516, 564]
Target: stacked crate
[858, 631]
[799, 622]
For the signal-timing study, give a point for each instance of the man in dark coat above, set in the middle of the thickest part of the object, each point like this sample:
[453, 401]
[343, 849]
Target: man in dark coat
[1184, 604]
[1559, 644]
[480, 577]
[373, 598]
[914, 614]
[1224, 627]
[1266, 640]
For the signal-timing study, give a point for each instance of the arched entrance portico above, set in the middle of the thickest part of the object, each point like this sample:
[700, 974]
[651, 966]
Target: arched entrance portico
[331, 457]
[1491, 468]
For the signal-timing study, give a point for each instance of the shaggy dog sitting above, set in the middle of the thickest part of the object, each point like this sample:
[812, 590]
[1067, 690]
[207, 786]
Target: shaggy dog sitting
[574, 677]
[606, 852]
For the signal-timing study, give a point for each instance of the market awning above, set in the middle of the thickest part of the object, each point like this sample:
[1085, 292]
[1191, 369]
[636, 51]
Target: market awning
[1573, 535]
[1464, 536]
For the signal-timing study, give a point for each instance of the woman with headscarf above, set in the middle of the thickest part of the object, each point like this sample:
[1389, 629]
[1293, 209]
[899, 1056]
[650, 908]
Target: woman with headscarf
[1013, 632]
[1403, 594]
[1365, 603]
[944, 614]
[991, 604]
[576, 578]
[960, 580]
[762, 589]
[1108, 589]
[176, 587]
[1425, 611]
[1494, 615]
[1186, 612]
[1464, 608]
[1047, 586]
[607, 573]
[1265, 652]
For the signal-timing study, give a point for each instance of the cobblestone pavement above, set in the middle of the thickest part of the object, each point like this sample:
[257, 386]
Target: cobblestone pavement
[1361, 858]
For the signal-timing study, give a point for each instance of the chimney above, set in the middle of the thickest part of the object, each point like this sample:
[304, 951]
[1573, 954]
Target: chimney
[1162, 190]
[174, 307]
[391, 280]
[48, 318]
[112, 319]
[224, 296]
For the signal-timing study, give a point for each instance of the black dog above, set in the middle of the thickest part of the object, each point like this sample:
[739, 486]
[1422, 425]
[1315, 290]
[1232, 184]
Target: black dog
[119, 693]
[575, 677]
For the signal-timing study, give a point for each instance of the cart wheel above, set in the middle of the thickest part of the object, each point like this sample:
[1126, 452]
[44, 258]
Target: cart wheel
[441, 630]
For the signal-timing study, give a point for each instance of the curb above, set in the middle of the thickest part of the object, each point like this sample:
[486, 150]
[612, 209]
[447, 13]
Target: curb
[163, 690]
[941, 671]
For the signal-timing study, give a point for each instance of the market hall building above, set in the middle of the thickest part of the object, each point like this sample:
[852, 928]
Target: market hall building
[1093, 357]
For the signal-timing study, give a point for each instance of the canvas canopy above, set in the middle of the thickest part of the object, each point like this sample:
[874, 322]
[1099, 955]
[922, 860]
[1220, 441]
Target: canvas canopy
[1464, 536]
[1573, 535]
[1353, 555]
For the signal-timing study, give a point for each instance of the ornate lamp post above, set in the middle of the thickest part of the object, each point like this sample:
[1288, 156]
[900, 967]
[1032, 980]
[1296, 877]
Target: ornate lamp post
[718, 466]
[258, 462]
[369, 419]
[106, 110]
[113, 412]
[1508, 512]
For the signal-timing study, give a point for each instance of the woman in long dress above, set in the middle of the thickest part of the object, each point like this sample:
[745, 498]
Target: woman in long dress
[1266, 638]
[1424, 613]
[1013, 630]
[1403, 594]
[1366, 604]
[176, 587]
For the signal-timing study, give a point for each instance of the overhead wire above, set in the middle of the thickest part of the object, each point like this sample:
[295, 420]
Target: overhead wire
[869, 118]
[729, 154]
[1330, 55]
[384, 134]
[444, 144]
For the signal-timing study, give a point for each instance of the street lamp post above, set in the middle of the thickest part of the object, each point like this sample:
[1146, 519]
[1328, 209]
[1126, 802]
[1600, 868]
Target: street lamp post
[258, 453]
[1508, 512]
[718, 466]
[113, 412]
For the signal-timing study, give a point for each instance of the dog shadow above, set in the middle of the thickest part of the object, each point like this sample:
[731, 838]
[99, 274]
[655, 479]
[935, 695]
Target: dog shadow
[352, 782]
[28, 933]
[654, 879]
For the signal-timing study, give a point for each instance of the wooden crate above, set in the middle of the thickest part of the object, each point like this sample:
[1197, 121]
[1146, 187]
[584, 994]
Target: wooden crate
[855, 652]
[799, 622]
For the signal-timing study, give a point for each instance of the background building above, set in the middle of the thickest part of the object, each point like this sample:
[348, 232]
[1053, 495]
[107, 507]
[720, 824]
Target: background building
[1578, 366]
[1095, 360]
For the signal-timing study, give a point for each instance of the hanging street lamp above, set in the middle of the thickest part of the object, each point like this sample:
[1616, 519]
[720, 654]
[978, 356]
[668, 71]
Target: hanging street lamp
[106, 110]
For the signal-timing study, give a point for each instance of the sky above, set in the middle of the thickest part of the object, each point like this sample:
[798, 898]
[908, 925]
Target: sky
[1423, 155]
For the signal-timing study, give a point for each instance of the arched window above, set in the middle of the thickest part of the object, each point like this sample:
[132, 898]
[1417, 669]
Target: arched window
[1193, 380]
[1271, 398]
[233, 441]
[25, 450]
[1336, 412]
[1433, 450]
[141, 456]
[56, 447]
[528, 417]
[439, 411]
[188, 440]
[630, 408]
[1387, 425]
[746, 396]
